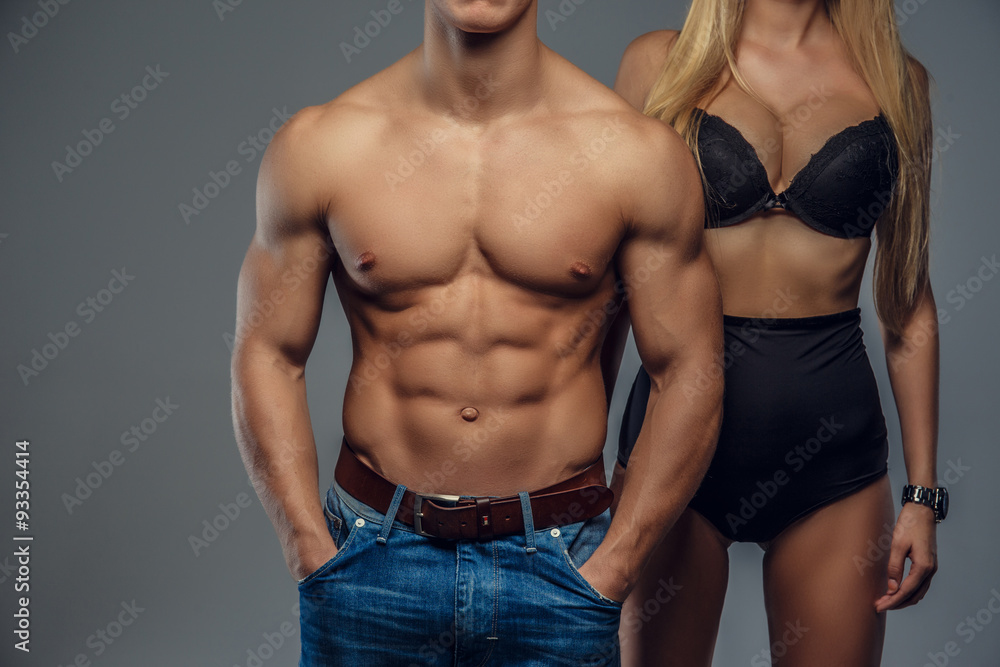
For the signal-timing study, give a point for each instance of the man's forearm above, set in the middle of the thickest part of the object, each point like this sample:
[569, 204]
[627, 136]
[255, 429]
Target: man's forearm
[274, 433]
[670, 457]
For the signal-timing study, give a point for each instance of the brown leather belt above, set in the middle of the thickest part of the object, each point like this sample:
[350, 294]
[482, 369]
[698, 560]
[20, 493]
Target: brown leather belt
[583, 496]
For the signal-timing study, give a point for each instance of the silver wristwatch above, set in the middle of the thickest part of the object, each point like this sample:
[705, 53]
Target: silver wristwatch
[936, 499]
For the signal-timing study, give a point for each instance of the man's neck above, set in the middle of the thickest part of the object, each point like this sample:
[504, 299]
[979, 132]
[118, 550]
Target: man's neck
[476, 77]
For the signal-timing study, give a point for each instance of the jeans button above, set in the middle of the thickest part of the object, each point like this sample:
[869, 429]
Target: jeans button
[359, 522]
[554, 532]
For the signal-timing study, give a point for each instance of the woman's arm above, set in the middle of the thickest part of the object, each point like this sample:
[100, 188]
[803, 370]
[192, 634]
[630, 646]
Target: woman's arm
[913, 362]
[913, 358]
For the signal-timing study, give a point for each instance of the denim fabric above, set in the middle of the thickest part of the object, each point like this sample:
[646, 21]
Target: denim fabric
[412, 600]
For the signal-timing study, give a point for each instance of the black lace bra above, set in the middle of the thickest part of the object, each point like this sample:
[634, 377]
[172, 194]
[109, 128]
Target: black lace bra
[841, 191]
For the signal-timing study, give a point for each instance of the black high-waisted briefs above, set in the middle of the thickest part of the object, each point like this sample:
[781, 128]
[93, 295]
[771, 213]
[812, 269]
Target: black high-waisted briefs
[802, 424]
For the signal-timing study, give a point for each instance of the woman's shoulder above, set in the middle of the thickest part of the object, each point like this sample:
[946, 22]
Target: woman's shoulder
[642, 63]
[650, 48]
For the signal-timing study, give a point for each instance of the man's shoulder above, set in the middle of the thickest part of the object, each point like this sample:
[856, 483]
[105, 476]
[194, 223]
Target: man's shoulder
[647, 143]
[644, 159]
[650, 132]
[344, 125]
[354, 114]
[590, 103]
[318, 145]
[656, 172]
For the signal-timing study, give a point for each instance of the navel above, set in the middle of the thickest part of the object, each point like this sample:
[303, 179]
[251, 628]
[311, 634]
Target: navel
[470, 414]
[580, 270]
[365, 261]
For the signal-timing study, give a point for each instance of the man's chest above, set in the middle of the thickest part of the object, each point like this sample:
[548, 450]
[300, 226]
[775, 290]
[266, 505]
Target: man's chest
[542, 214]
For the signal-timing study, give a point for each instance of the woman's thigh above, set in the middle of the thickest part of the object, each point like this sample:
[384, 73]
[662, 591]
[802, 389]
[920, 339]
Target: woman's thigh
[822, 576]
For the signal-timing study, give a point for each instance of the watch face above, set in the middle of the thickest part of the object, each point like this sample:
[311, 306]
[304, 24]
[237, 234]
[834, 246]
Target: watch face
[942, 503]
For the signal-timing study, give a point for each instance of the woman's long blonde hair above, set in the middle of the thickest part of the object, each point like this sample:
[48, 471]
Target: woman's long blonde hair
[704, 51]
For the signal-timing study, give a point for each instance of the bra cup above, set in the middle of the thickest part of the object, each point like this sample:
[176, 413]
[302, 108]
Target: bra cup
[738, 186]
[845, 195]
[841, 191]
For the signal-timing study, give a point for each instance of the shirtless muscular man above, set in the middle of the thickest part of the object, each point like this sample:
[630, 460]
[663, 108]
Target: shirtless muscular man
[485, 209]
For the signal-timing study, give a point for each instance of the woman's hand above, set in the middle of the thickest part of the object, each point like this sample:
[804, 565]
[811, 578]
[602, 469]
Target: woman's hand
[915, 537]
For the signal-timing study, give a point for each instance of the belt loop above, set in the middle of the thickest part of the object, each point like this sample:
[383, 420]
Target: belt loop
[390, 514]
[529, 522]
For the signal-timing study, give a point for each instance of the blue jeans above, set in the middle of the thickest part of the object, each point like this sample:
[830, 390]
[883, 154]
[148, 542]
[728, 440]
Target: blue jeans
[392, 597]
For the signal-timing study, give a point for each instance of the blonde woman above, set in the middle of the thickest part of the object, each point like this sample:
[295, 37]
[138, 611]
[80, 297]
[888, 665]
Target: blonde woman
[811, 125]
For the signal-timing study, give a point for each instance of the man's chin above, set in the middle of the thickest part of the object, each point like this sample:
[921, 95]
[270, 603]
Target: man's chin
[482, 17]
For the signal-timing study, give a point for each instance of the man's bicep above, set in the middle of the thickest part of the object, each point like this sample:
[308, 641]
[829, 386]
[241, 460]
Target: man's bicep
[674, 299]
[280, 297]
[284, 276]
[674, 303]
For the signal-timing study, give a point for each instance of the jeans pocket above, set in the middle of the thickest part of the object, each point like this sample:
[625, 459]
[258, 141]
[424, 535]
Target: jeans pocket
[335, 521]
[577, 549]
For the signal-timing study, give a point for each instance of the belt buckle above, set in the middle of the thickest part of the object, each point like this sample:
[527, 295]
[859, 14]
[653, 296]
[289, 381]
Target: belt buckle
[418, 504]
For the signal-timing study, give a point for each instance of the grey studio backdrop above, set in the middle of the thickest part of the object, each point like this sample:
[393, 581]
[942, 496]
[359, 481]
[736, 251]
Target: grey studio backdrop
[128, 300]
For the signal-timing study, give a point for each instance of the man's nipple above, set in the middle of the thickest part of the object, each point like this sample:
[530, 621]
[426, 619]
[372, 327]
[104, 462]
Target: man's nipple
[580, 270]
[365, 261]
